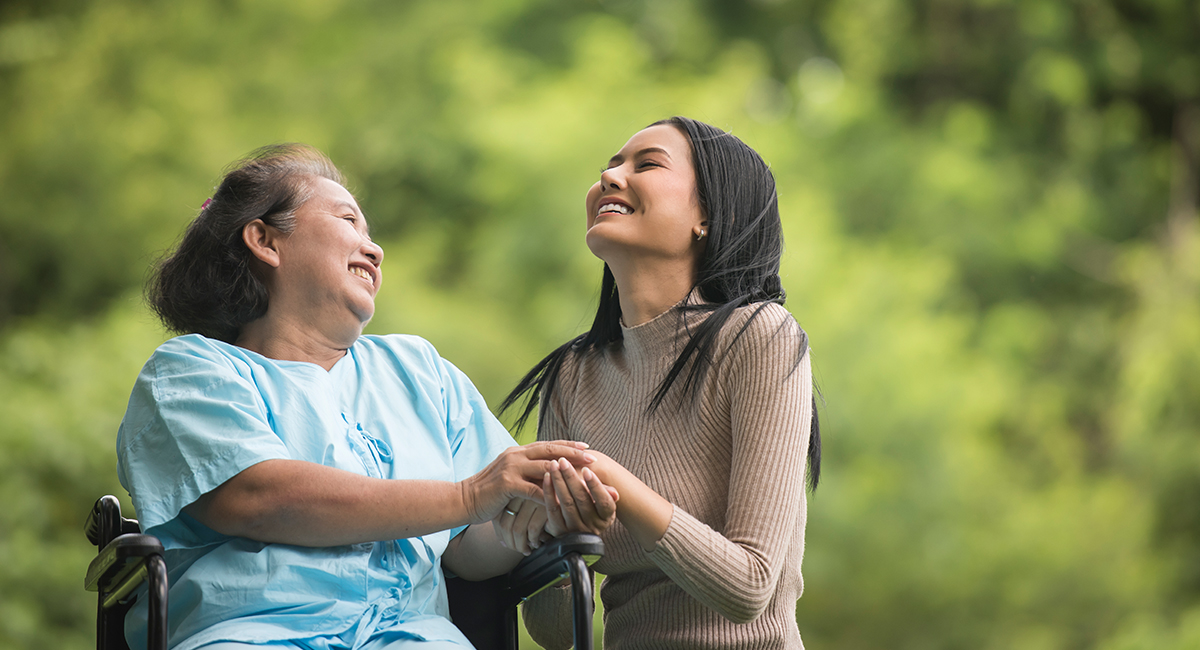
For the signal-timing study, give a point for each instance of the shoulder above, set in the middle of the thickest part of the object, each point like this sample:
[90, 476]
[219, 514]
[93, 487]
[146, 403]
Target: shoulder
[183, 370]
[763, 324]
[193, 354]
[193, 345]
[760, 338]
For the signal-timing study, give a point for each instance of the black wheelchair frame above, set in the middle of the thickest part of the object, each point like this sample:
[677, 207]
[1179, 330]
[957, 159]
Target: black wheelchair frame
[485, 611]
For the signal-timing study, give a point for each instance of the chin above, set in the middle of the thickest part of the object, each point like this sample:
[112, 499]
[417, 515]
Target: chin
[364, 315]
[598, 243]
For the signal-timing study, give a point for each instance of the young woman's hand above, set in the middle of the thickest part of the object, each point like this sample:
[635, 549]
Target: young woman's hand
[517, 472]
[642, 511]
[577, 501]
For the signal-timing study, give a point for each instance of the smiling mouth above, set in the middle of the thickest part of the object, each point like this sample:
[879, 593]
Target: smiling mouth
[614, 207]
[362, 273]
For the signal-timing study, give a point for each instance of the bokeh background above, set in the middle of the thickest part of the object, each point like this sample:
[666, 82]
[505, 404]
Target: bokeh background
[991, 218]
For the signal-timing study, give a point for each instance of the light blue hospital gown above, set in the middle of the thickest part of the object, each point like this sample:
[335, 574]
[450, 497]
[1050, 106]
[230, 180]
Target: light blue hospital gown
[202, 411]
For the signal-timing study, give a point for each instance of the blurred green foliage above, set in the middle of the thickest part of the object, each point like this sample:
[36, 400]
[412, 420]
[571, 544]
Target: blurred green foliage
[990, 210]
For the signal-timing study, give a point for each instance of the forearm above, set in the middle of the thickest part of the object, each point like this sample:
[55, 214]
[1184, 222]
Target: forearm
[736, 579]
[477, 554]
[306, 504]
[733, 572]
[641, 510]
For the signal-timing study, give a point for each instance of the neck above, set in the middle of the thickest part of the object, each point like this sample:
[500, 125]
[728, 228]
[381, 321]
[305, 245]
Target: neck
[648, 288]
[287, 340]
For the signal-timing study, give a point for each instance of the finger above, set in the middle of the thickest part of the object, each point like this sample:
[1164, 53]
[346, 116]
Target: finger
[554, 450]
[502, 523]
[583, 499]
[529, 490]
[521, 527]
[554, 521]
[605, 502]
[536, 528]
[531, 469]
[514, 506]
[555, 525]
[566, 501]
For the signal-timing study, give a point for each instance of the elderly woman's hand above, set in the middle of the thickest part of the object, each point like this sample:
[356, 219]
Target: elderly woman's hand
[521, 526]
[517, 472]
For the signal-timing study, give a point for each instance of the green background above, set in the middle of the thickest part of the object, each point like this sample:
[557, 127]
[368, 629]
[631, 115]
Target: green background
[990, 209]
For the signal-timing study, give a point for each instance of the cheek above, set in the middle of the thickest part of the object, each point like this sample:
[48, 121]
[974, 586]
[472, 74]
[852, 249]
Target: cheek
[589, 203]
[684, 207]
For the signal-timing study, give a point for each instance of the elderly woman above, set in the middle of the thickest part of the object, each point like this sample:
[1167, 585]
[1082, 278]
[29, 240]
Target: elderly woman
[307, 481]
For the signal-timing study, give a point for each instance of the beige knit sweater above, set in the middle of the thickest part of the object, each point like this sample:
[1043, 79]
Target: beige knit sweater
[727, 572]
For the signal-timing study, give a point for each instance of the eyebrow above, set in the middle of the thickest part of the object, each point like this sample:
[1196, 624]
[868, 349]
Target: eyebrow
[618, 158]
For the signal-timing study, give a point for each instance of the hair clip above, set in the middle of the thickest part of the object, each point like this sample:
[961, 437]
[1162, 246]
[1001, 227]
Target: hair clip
[206, 202]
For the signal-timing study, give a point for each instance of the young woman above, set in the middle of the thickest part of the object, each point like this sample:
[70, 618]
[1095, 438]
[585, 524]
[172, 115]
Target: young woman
[309, 482]
[694, 389]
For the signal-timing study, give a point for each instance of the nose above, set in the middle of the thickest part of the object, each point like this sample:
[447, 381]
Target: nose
[612, 178]
[373, 251]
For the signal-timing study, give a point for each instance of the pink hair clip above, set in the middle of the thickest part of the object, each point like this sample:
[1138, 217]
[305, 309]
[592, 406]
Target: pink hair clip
[206, 202]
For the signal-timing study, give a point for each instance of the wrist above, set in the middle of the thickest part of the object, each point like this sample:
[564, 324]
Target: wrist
[466, 500]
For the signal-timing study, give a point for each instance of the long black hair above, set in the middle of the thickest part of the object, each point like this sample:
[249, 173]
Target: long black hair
[206, 285]
[739, 267]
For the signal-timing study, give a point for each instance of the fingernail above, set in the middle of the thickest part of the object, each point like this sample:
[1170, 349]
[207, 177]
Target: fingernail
[563, 463]
[581, 445]
[587, 473]
[589, 458]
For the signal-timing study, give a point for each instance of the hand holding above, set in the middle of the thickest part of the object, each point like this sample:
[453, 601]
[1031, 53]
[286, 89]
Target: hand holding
[516, 472]
[577, 501]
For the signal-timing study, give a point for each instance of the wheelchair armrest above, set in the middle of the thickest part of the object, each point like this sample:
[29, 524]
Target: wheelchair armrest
[551, 562]
[121, 566]
[104, 521]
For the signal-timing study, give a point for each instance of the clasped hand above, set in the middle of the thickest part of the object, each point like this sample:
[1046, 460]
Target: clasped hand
[571, 501]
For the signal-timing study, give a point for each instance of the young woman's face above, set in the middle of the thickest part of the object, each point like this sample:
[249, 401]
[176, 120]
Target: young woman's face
[645, 204]
[328, 263]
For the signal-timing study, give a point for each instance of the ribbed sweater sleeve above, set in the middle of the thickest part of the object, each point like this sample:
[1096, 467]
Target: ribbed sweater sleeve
[771, 407]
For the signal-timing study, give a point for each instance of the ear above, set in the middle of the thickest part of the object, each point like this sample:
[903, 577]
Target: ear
[263, 242]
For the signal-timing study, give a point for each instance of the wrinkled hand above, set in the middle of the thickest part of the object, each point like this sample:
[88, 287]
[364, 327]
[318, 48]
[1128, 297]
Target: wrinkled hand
[517, 472]
[525, 530]
[577, 501]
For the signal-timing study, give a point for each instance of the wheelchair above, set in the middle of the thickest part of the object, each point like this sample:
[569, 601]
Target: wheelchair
[485, 611]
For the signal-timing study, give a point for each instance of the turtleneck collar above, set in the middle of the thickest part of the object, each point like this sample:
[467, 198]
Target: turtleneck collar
[663, 336]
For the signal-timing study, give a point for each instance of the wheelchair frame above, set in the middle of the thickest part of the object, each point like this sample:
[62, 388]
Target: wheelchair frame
[485, 611]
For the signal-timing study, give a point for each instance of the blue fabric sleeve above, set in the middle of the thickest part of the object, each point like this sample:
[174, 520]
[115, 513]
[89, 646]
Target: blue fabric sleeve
[195, 419]
[476, 436]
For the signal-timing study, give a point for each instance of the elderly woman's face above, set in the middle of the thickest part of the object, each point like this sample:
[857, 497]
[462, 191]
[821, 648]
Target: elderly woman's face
[329, 267]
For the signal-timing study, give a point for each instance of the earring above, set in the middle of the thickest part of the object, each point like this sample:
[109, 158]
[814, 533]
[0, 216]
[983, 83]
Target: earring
[701, 235]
